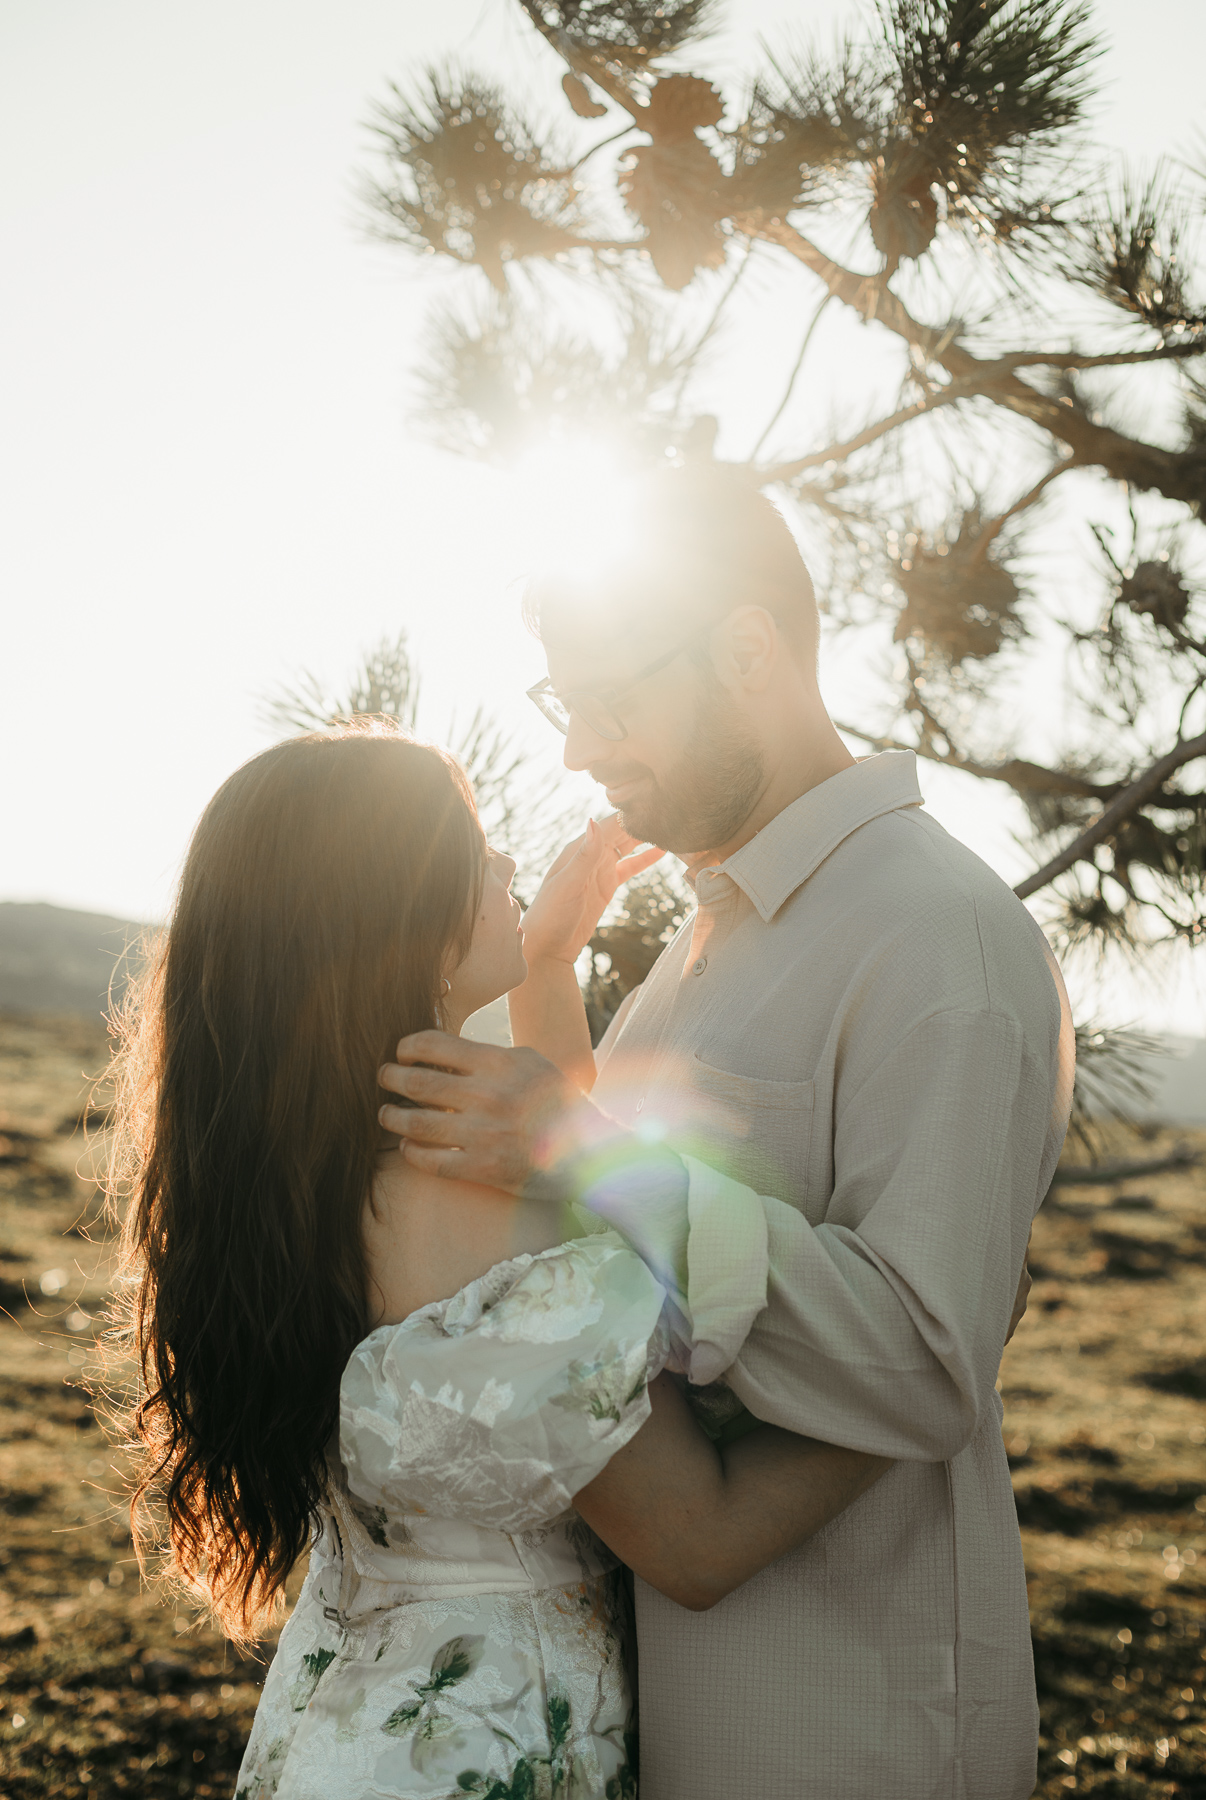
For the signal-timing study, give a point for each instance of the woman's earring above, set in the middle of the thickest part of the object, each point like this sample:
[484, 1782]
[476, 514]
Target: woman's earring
[447, 986]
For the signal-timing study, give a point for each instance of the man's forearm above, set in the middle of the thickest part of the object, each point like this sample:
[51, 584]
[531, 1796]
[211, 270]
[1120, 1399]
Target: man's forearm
[548, 1015]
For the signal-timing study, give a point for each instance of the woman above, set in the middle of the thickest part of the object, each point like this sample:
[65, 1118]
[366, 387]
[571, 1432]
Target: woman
[435, 1387]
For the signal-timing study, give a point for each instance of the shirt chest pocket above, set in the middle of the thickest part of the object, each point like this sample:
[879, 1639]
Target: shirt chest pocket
[757, 1131]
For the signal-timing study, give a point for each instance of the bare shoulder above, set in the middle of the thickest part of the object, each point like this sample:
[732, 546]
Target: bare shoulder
[426, 1237]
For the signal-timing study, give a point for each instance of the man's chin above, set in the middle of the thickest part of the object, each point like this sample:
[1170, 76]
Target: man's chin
[640, 822]
[648, 826]
[680, 838]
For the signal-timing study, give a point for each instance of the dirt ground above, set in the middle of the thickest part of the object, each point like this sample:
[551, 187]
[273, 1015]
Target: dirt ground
[107, 1688]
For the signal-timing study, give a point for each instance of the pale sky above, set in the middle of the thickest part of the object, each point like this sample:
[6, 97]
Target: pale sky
[209, 474]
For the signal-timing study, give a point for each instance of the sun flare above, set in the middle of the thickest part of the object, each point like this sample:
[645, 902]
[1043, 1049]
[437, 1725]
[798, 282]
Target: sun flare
[562, 489]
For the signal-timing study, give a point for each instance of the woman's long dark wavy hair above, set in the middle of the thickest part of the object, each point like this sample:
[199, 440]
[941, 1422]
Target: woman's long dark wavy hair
[328, 881]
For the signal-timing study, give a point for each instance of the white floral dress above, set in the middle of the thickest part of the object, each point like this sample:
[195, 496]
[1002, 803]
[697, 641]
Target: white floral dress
[461, 1631]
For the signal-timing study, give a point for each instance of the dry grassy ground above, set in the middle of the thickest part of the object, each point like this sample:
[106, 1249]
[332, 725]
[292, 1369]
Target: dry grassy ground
[1105, 1427]
[107, 1689]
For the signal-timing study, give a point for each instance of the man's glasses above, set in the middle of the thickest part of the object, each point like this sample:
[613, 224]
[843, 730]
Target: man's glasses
[595, 706]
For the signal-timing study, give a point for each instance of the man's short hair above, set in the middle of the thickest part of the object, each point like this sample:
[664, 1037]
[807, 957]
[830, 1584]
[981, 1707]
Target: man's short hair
[694, 543]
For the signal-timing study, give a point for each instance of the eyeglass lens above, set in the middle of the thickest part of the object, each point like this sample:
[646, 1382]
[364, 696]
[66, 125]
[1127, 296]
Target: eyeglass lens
[598, 715]
[553, 708]
[593, 711]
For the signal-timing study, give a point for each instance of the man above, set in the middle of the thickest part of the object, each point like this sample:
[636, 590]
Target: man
[835, 1105]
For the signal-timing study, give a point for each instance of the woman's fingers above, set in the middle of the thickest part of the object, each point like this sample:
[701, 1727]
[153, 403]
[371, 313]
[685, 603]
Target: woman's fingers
[566, 856]
[578, 886]
[592, 859]
[613, 829]
[597, 845]
[579, 859]
[602, 840]
[620, 840]
[628, 866]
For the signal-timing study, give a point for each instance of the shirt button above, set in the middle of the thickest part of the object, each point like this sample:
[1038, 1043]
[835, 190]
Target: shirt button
[699, 965]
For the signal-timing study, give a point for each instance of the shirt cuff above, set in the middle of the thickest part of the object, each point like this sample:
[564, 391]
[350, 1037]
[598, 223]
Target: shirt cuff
[703, 1235]
[728, 1268]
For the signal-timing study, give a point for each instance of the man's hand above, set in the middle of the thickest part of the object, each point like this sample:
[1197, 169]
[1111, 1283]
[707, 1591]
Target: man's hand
[498, 1117]
[510, 1120]
[570, 900]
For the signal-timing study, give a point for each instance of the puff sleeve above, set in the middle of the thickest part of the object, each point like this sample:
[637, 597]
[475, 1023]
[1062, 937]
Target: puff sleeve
[498, 1405]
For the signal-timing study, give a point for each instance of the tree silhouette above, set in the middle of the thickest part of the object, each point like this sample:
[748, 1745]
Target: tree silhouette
[942, 147]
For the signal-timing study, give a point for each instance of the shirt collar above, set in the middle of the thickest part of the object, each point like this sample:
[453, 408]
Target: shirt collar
[782, 856]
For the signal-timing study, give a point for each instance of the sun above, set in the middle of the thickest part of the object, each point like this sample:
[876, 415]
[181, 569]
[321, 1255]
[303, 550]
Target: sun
[562, 489]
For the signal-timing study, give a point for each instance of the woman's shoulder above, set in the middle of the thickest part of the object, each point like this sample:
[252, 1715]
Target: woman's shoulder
[519, 1326]
[426, 1238]
[539, 1297]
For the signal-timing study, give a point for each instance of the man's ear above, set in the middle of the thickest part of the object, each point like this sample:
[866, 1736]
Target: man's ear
[745, 649]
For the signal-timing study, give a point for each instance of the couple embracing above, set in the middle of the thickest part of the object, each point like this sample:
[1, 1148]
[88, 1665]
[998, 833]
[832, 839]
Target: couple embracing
[666, 1367]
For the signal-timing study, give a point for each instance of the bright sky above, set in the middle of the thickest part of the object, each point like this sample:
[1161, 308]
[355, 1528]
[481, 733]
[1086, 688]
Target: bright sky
[210, 478]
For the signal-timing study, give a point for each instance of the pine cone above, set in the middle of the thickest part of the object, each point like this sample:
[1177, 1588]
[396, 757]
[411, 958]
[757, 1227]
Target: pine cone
[678, 195]
[1157, 591]
[960, 604]
[680, 105]
[903, 216]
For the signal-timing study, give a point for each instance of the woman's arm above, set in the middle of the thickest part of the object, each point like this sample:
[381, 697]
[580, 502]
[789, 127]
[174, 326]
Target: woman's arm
[695, 1521]
[547, 1012]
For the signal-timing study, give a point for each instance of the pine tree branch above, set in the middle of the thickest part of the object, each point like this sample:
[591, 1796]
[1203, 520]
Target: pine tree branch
[1176, 474]
[866, 294]
[993, 528]
[955, 390]
[1024, 777]
[1074, 359]
[593, 68]
[791, 380]
[715, 315]
[1138, 794]
[601, 145]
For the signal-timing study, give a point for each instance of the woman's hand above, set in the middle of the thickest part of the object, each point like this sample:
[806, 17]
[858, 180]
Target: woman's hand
[570, 901]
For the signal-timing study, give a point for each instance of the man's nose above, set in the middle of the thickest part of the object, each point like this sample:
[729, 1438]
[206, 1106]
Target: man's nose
[584, 747]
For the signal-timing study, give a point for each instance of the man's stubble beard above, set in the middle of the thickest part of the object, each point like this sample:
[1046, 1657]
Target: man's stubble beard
[709, 793]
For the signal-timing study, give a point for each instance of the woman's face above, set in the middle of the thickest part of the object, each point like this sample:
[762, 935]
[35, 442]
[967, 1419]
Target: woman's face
[495, 963]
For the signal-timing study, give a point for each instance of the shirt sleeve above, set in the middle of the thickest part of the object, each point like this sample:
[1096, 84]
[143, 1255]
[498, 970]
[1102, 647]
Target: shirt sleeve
[883, 1326]
[496, 1407]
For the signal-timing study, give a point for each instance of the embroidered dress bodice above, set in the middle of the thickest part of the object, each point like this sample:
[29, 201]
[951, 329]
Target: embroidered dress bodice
[461, 1631]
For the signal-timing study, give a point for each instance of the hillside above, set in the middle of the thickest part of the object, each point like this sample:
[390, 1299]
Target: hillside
[54, 960]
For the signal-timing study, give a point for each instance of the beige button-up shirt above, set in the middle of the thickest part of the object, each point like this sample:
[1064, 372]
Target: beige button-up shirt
[861, 1045]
